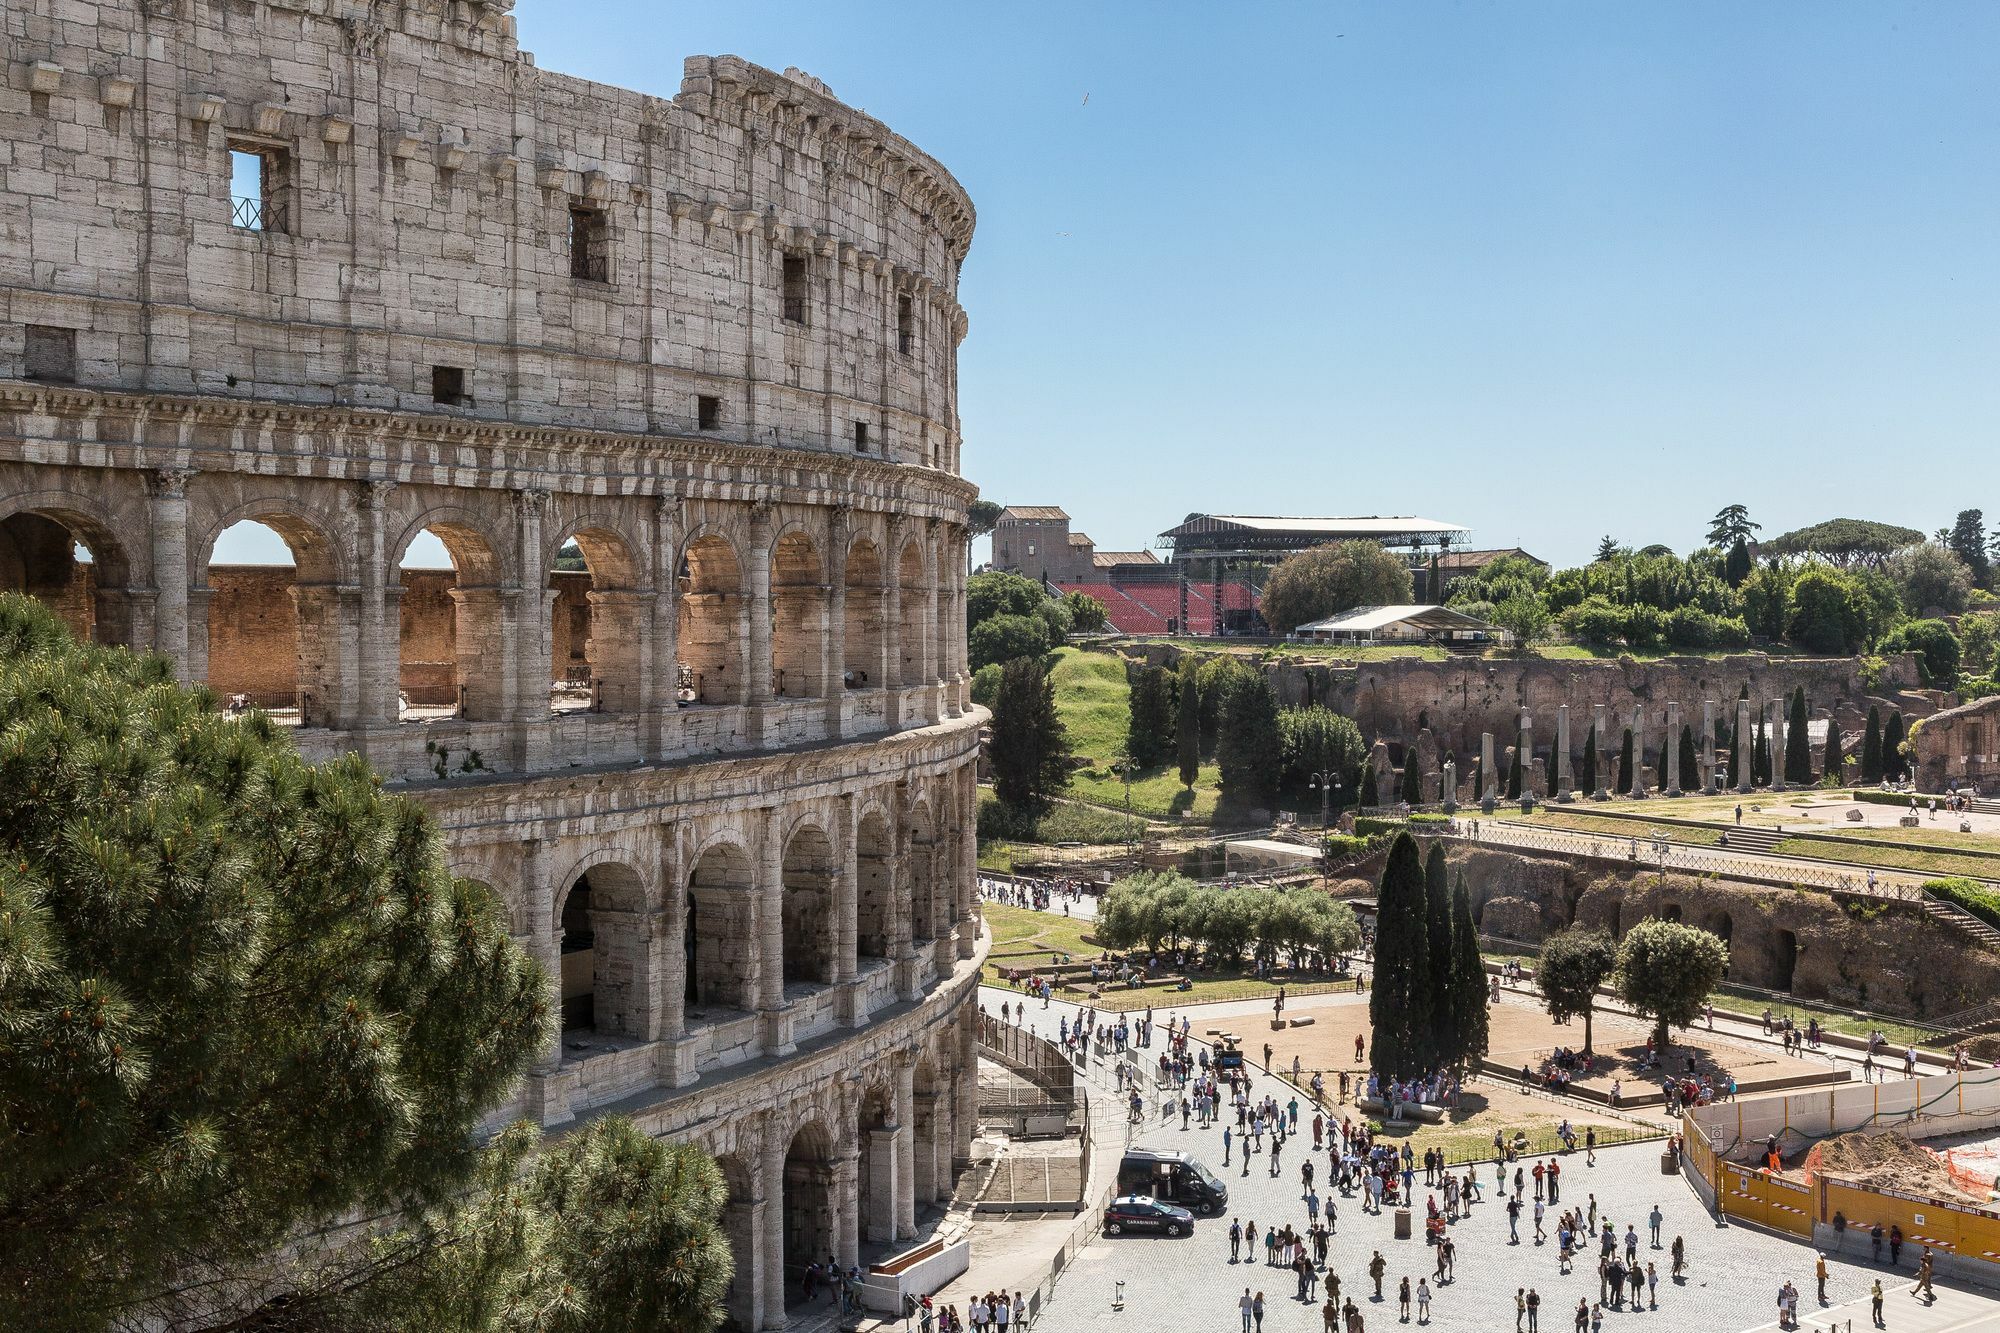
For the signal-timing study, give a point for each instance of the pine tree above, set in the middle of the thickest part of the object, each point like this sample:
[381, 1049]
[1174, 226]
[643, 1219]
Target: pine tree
[1871, 747]
[1187, 726]
[1625, 763]
[1690, 765]
[1798, 744]
[1413, 778]
[1399, 1010]
[1468, 978]
[1514, 772]
[1590, 762]
[1444, 1044]
[1895, 765]
[1834, 762]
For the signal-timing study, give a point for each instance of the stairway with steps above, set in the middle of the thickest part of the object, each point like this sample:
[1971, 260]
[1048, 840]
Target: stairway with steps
[1747, 839]
[1983, 806]
[1960, 919]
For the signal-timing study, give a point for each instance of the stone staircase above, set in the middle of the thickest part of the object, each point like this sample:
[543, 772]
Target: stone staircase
[1748, 839]
[1983, 806]
[1961, 920]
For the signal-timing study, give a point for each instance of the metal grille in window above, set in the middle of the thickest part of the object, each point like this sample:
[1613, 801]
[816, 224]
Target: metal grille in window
[257, 214]
[589, 257]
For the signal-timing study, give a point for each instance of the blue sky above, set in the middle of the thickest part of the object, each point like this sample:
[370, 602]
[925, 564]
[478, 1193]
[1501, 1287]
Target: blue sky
[1549, 270]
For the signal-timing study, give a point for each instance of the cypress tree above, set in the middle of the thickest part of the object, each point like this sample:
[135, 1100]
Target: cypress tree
[1399, 1010]
[1478, 776]
[1871, 747]
[1590, 761]
[1735, 757]
[1413, 778]
[1660, 768]
[1443, 1048]
[1625, 763]
[1690, 770]
[1833, 762]
[1368, 792]
[1798, 744]
[1187, 726]
[1760, 757]
[1894, 766]
[1514, 772]
[1468, 978]
[1554, 774]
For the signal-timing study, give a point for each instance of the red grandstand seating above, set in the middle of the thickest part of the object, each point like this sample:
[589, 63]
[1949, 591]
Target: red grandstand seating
[1152, 608]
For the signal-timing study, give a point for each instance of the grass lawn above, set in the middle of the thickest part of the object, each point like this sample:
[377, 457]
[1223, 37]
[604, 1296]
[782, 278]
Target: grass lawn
[1017, 930]
[1095, 703]
[1891, 858]
[1223, 988]
[1940, 838]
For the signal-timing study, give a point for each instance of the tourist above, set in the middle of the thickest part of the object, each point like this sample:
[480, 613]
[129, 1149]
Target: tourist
[1520, 1307]
[1654, 1219]
[1534, 1311]
[1423, 1302]
[1652, 1285]
[1680, 1255]
[1875, 1302]
[1923, 1286]
[1403, 1300]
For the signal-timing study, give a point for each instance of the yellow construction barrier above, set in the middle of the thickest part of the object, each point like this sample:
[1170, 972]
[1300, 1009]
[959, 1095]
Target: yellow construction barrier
[1769, 1201]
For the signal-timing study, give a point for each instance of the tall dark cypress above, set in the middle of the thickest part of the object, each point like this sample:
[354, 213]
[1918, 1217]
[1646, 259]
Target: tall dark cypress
[1399, 1010]
[1798, 745]
[1590, 762]
[1760, 756]
[1413, 778]
[1187, 726]
[1834, 762]
[1690, 766]
[1895, 766]
[1625, 763]
[1735, 755]
[1514, 772]
[1871, 747]
[1444, 1045]
[1554, 774]
[1468, 978]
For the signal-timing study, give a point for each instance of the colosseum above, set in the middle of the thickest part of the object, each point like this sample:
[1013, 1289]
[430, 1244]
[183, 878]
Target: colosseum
[673, 382]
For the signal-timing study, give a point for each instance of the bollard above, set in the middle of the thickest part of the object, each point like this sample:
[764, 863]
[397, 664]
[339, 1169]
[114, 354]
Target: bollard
[1118, 1297]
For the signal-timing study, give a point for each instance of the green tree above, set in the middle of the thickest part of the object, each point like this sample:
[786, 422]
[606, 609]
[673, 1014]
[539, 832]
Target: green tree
[1937, 649]
[1153, 712]
[1930, 580]
[1607, 549]
[1690, 764]
[1590, 761]
[1573, 963]
[1055, 619]
[243, 999]
[1468, 979]
[1413, 778]
[1187, 728]
[1525, 616]
[1029, 747]
[1979, 642]
[1845, 542]
[1399, 1010]
[1003, 638]
[1760, 756]
[1735, 755]
[1833, 762]
[1552, 774]
[1625, 763]
[1968, 541]
[1736, 568]
[1830, 612]
[1871, 747]
[981, 517]
[1325, 580]
[1514, 770]
[986, 684]
[1767, 600]
[1798, 744]
[1247, 749]
[1445, 1036]
[997, 593]
[1086, 614]
[1730, 526]
[1367, 789]
[1666, 970]
[1895, 764]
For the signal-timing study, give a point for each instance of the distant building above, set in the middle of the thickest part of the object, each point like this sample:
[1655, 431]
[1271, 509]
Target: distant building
[1035, 541]
[1455, 565]
[1402, 624]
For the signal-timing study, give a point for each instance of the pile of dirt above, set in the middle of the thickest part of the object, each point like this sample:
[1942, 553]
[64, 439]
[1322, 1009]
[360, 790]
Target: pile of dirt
[1884, 1161]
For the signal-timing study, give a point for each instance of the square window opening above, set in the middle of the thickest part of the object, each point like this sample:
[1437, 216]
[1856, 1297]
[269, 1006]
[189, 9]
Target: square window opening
[861, 437]
[795, 289]
[259, 175]
[906, 324]
[51, 354]
[448, 386]
[707, 411]
[589, 244]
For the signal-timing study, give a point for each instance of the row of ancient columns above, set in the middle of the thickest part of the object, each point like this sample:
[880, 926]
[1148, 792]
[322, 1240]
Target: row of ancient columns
[1709, 778]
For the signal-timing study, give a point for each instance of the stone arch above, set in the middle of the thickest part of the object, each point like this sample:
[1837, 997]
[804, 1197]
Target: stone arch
[278, 642]
[807, 877]
[920, 847]
[862, 650]
[595, 619]
[713, 611]
[809, 1201]
[1670, 912]
[607, 982]
[739, 1299]
[462, 662]
[931, 1132]
[874, 886]
[911, 632]
[798, 616]
[721, 935]
[39, 534]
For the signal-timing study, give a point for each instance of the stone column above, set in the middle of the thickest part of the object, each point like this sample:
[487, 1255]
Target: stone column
[677, 1057]
[933, 667]
[903, 872]
[1745, 748]
[1639, 753]
[894, 711]
[1564, 779]
[884, 1186]
[1448, 788]
[381, 610]
[770, 889]
[757, 669]
[1607, 762]
[1524, 740]
[1710, 785]
[906, 1163]
[1774, 732]
[167, 513]
[966, 1077]
[966, 849]
[847, 1206]
[771, 1235]
[846, 909]
[662, 729]
[1672, 749]
[1488, 780]
[833, 685]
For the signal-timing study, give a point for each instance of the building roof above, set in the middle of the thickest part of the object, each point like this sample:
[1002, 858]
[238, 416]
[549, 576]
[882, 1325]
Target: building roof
[1367, 619]
[1032, 513]
[1371, 525]
[1080, 539]
[1469, 560]
[1106, 559]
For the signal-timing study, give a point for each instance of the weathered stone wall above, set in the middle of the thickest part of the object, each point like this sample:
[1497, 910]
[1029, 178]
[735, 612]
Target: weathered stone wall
[1960, 747]
[1879, 954]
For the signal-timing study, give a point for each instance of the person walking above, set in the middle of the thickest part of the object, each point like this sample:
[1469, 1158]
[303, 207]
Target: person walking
[1923, 1287]
[1652, 1285]
[1403, 1300]
[1875, 1302]
[1534, 1311]
[1235, 1239]
[1819, 1273]
[1680, 1255]
[1376, 1268]
[1654, 1219]
[1514, 1220]
[1246, 1305]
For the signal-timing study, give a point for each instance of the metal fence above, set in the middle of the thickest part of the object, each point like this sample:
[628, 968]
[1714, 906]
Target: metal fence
[1660, 854]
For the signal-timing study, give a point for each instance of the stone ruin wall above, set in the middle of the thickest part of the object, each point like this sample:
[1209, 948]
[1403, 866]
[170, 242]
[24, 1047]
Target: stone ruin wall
[1960, 748]
[1812, 944]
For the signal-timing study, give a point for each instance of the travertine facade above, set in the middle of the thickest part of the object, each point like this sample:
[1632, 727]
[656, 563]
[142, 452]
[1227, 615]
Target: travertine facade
[712, 340]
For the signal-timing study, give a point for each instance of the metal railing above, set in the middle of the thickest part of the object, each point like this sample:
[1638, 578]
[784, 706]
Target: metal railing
[247, 213]
[1661, 854]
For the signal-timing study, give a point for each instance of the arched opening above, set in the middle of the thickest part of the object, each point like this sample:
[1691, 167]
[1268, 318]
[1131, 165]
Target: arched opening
[606, 983]
[808, 898]
[739, 1299]
[932, 1167]
[1785, 961]
[910, 633]
[712, 631]
[863, 648]
[1670, 912]
[721, 930]
[1616, 920]
[798, 618]
[1722, 926]
[271, 589]
[594, 624]
[71, 565]
[874, 893]
[453, 647]
[876, 1193]
[920, 866]
[808, 1205]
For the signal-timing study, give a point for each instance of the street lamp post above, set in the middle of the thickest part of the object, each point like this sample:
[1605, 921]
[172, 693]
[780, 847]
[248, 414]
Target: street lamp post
[1327, 783]
[1123, 768]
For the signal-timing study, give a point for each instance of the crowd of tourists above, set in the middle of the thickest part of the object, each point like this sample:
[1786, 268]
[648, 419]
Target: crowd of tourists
[1041, 895]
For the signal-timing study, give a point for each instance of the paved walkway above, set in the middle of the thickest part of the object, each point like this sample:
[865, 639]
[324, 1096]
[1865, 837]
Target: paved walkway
[1952, 1310]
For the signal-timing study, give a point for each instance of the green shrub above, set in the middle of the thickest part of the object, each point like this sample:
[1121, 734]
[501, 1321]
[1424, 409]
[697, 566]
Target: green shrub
[1368, 825]
[1901, 798]
[1429, 818]
[1970, 894]
[1340, 846]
